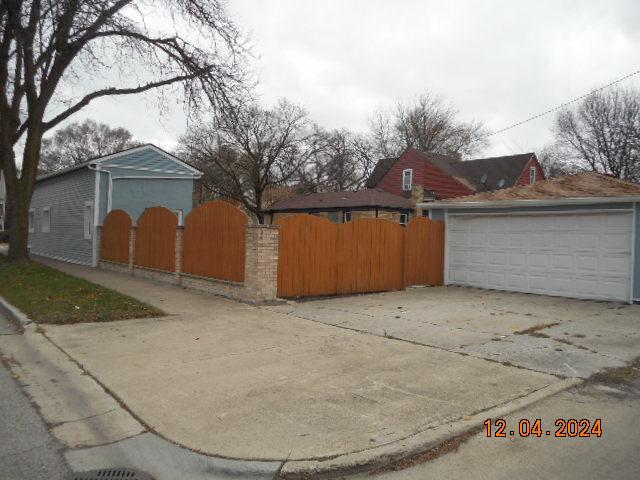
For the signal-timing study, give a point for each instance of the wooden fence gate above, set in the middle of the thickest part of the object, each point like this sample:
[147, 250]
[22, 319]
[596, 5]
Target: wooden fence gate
[114, 243]
[214, 241]
[156, 239]
[318, 257]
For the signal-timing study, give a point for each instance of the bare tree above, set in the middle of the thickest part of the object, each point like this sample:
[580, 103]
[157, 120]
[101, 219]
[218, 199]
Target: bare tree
[602, 134]
[430, 125]
[246, 151]
[340, 160]
[79, 142]
[46, 45]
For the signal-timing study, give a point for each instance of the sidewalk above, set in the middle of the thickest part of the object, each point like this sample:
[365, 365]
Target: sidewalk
[236, 381]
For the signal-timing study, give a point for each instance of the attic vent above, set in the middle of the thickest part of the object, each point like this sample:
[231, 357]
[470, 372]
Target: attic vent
[484, 179]
[501, 183]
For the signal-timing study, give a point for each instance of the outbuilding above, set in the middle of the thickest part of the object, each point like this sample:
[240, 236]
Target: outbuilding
[576, 236]
[67, 204]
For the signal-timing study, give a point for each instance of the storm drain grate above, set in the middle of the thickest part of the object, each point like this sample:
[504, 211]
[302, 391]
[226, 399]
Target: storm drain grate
[112, 474]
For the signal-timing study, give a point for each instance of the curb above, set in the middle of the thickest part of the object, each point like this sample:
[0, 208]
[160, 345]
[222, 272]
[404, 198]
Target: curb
[13, 313]
[379, 457]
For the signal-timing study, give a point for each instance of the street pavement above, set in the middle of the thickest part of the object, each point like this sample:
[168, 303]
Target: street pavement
[27, 450]
[613, 455]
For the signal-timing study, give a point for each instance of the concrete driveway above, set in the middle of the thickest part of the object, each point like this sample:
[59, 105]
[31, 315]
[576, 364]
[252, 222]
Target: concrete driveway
[321, 379]
[559, 336]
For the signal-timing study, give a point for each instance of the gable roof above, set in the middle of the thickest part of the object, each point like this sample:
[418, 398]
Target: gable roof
[470, 173]
[140, 149]
[379, 171]
[369, 197]
[507, 168]
[439, 178]
[582, 185]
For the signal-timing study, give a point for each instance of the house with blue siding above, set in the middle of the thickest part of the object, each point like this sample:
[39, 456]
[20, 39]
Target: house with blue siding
[67, 205]
[576, 236]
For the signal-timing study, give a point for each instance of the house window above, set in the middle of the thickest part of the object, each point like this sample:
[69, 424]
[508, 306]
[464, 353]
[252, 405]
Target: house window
[347, 216]
[407, 179]
[46, 219]
[32, 220]
[404, 218]
[532, 175]
[88, 220]
[333, 217]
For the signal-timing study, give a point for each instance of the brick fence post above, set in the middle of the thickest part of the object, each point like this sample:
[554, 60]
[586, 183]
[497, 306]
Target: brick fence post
[261, 262]
[132, 248]
[179, 250]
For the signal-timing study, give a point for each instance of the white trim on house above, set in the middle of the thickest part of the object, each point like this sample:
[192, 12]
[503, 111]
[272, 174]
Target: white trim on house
[543, 212]
[529, 203]
[96, 218]
[154, 170]
[446, 247]
[533, 175]
[32, 220]
[633, 252]
[406, 188]
[46, 214]
[87, 221]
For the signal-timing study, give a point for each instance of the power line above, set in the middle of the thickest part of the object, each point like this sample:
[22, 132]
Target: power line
[559, 107]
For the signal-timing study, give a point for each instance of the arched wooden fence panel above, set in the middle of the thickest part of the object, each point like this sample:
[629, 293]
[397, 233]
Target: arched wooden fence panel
[116, 232]
[424, 252]
[156, 239]
[214, 241]
[307, 256]
[370, 256]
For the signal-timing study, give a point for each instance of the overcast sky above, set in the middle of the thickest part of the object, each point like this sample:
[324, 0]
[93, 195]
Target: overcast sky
[497, 61]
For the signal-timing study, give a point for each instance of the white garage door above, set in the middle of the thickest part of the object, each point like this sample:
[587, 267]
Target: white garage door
[570, 255]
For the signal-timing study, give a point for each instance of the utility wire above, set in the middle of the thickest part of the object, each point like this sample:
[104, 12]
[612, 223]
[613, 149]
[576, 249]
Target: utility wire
[559, 107]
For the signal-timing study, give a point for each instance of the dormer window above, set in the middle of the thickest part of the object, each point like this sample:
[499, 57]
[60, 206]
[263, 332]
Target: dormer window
[407, 179]
[532, 175]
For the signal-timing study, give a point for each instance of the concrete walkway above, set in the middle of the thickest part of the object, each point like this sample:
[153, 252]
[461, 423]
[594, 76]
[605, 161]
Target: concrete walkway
[237, 381]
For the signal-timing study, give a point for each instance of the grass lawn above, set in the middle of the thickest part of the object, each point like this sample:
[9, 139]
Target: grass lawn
[48, 295]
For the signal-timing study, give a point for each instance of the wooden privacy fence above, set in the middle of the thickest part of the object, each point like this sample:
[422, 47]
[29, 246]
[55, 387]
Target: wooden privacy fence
[114, 242]
[214, 242]
[318, 257]
[424, 252]
[155, 245]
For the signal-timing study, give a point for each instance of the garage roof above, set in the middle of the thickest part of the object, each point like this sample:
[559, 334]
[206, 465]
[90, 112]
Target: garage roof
[584, 187]
[369, 197]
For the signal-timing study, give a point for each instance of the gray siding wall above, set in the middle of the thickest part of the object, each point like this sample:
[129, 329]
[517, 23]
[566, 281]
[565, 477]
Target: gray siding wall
[148, 159]
[136, 194]
[636, 282]
[66, 196]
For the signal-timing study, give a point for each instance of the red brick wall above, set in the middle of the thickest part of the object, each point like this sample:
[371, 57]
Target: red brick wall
[392, 181]
[524, 176]
[425, 174]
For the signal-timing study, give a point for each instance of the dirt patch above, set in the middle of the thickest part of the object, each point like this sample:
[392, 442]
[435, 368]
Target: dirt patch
[534, 331]
[617, 376]
[448, 446]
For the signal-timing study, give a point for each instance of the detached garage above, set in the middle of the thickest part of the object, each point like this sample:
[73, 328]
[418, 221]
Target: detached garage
[575, 236]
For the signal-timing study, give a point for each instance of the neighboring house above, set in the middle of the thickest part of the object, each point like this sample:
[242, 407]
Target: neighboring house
[426, 176]
[3, 201]
[576, 236]
[340, 207]
[68, 204]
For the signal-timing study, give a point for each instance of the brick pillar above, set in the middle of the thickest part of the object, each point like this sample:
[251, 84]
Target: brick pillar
[179, 250]
[132, 248]
[261, 262]
[417, 196]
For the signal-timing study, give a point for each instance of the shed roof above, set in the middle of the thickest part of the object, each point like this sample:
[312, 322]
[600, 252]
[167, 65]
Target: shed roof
[580, 185]
[369, 197]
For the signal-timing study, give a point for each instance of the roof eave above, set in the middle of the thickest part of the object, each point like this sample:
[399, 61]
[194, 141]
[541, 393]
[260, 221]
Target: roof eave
[530, 203]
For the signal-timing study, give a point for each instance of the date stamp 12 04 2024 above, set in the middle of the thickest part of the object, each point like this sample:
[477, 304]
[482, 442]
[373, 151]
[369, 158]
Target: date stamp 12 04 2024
[563, 428]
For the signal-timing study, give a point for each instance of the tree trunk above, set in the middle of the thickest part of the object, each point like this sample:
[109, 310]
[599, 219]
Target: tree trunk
[19, 233]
